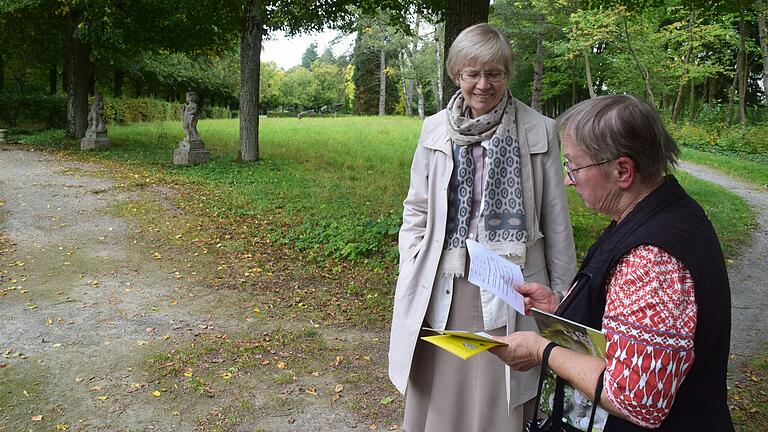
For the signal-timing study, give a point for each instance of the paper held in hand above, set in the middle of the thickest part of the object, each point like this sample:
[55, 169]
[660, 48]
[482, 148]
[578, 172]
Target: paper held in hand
[462, 344]
[495, 274]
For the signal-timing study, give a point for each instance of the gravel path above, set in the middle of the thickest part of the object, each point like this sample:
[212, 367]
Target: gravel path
[84, 302]
[748, 273]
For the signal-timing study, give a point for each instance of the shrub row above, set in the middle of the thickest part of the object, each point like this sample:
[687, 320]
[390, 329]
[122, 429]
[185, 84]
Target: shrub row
[51, 111]
[748, 140]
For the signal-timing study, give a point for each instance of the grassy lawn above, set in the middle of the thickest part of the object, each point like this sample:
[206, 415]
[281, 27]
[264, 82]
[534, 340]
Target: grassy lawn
[748, 170]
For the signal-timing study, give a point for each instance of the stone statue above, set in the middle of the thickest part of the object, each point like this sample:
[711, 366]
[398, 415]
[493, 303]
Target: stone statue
[96, 115]
[192, 148]
[96, 134]
[189, 116]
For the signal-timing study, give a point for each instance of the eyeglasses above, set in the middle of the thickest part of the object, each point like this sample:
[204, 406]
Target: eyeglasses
[474, 77]
[571, 171]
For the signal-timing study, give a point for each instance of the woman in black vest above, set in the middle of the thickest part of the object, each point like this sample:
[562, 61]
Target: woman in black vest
[655, 281]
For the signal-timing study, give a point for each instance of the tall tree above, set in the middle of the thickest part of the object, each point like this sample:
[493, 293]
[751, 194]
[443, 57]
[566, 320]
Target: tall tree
[310, 55]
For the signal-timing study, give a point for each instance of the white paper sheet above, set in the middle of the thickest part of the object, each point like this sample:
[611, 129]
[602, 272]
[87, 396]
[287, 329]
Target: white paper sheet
[495, 275]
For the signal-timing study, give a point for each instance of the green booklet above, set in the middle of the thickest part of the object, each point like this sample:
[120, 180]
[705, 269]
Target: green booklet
[462, 344]
[566, 333]
[570, 334]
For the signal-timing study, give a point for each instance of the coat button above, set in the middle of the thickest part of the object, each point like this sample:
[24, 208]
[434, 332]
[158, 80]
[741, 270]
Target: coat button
[447, 291]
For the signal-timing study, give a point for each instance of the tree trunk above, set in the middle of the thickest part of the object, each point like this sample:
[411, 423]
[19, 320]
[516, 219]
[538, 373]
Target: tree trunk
[420, 94]
[413, 78]
[741, 68]
[692, 102]
[460, 14]
[2, 73]
[763, 44]
[440, 64]
[679, 99]
[250, 61]
[382, 82]
[77, 101]
[53, 79]
[643, 70]
[406, 82]
[731, 96]
[588, 72]
[538, 72]
[574, 96]
[119, 79]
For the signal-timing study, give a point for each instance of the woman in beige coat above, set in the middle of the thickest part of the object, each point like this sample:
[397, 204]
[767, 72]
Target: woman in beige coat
[486, 168]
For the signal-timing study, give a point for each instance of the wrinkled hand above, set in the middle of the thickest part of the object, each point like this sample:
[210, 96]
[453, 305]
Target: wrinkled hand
[524, 350]
[538, 296]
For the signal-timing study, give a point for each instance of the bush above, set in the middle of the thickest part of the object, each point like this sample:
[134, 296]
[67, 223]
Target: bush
[35, 110]
[691, 135]
[51, 111]
[745, 139]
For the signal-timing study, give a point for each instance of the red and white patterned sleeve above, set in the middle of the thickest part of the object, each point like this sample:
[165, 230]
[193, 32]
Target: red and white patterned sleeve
[650, 322]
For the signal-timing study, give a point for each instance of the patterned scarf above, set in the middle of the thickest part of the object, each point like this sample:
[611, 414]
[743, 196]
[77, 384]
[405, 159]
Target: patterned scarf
[502, 227]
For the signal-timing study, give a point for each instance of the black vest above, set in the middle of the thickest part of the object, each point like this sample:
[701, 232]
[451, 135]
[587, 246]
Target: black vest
[670, 219]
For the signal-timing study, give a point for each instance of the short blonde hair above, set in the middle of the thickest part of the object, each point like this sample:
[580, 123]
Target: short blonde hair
[479, 44]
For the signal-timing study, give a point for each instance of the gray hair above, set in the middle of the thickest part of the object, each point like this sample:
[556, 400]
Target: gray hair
[479, 44]
[609, 127]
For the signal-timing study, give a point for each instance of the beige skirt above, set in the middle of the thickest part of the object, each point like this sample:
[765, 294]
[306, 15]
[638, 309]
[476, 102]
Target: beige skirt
[446, 393]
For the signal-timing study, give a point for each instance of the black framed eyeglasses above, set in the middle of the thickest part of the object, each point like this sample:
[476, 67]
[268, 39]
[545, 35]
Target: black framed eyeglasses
[570, 170]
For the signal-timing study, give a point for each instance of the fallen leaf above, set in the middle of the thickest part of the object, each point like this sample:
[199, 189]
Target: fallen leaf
[226, 375]
[62, 426]
[103, 397]
[281, 365]
[37, 418]
[339, 387]
[312, 391]
[156, 393]
[386, 400]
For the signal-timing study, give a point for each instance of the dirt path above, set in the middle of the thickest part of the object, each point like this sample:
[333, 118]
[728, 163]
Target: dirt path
[748, 273]
[84, 307]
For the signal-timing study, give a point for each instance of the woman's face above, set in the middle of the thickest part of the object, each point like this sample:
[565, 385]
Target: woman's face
[595, 183]
[483, 86]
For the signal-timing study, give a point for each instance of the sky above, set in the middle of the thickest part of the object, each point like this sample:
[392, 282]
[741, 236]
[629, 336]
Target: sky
[287, 52]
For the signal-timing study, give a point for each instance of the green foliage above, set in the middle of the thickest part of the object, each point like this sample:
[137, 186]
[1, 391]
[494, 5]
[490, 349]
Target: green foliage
[33, 110]
[747, 141]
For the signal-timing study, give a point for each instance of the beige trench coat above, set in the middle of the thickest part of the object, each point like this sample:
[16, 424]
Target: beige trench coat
[550, 256]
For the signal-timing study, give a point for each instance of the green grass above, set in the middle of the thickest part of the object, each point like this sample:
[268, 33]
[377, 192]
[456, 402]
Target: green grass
[755, 172]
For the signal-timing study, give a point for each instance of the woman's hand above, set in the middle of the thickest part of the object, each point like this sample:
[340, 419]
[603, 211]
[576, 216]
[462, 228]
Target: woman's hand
[538, 296]
[523, 351]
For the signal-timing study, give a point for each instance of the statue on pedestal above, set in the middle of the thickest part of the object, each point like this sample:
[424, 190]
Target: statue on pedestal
[192, 148]
[96, 134]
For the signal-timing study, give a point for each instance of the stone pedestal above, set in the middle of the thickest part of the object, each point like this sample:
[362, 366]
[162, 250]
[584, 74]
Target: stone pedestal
[95, 141]
[191, 153]
[3, 134]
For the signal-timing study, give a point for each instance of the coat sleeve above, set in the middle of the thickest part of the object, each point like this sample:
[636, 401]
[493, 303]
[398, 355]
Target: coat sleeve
[415, 206]
[555, 221]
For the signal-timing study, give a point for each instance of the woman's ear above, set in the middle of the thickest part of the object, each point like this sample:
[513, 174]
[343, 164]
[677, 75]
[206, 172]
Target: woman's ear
[625, 172]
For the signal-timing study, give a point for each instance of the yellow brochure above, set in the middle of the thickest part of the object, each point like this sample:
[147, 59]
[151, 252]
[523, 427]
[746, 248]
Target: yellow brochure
[462, 344]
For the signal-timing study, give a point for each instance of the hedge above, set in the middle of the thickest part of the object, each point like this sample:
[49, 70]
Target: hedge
[51, 111]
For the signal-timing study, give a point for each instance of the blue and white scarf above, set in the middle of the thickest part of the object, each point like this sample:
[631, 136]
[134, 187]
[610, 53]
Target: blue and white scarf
[502, 227]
